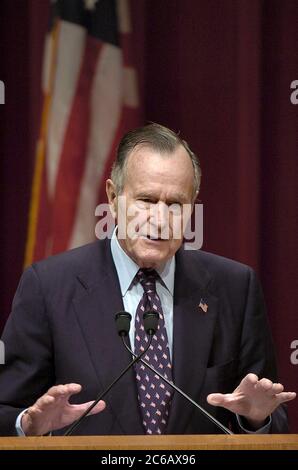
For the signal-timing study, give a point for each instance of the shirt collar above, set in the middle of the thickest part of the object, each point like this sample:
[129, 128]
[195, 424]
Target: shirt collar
[127, 268]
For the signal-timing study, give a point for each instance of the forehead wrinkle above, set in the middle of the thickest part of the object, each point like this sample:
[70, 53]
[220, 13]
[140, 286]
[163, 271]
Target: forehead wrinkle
[146, 172]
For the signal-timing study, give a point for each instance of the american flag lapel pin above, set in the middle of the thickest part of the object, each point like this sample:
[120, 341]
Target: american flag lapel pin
[203, 305]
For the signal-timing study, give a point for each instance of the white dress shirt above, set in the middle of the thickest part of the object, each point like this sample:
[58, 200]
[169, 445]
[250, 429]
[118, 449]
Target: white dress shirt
[132, 291]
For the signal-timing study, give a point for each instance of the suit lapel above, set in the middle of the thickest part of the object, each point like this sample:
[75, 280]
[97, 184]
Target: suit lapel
[95, 310]
[193, 332]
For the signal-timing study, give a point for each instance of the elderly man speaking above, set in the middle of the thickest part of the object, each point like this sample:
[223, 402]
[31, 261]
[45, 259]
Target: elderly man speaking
[212, 340]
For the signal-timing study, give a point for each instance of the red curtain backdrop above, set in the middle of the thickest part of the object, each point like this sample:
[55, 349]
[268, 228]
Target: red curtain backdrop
[220, 72]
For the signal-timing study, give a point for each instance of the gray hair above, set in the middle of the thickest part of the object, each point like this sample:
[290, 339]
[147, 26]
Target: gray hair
[158, 138]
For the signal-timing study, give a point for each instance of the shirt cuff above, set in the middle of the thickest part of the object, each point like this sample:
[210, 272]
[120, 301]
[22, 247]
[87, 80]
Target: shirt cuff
[263, 430]
[18, 425]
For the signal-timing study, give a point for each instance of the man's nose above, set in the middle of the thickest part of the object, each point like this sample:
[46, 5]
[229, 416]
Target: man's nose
[160, 217]
[162, 212]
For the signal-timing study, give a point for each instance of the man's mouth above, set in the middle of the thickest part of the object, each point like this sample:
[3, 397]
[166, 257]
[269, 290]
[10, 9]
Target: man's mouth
[154, 238]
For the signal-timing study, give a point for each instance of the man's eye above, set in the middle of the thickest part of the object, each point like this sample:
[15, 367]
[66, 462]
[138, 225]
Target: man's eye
[143, 202]
[175, 204]
[147, 200]
[175, 207]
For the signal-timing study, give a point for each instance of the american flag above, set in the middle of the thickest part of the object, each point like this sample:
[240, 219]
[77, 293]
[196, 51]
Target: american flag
[90, 99]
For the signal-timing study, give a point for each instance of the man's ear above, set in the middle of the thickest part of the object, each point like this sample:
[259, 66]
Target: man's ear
[195, 199]
[112, 197]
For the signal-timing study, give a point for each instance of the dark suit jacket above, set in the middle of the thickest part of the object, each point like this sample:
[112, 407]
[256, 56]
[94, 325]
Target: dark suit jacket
[62, 329]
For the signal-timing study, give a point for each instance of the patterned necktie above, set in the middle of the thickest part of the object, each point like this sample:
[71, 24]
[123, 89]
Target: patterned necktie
[154, 395]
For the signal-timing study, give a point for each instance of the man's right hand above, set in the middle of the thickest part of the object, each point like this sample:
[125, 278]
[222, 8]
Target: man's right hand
[53, 410]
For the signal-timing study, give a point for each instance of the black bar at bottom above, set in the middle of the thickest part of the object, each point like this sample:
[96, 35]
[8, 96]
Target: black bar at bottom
[135, 458]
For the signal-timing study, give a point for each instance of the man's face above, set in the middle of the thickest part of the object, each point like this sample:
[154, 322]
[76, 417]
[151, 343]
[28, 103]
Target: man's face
[149, 211]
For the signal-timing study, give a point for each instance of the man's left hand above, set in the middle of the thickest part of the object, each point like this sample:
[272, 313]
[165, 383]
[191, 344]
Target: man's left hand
[253, 399]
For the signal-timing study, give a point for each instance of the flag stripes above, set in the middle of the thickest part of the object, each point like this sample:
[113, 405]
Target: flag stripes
[90, 100]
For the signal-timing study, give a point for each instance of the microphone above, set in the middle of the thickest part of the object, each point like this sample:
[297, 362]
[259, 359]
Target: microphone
[122, 319]
[177, 389]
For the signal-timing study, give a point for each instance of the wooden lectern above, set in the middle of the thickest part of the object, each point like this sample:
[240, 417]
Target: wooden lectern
[164, 442]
